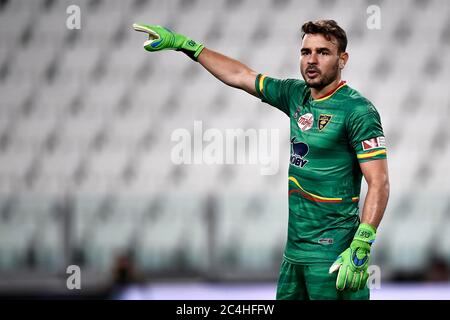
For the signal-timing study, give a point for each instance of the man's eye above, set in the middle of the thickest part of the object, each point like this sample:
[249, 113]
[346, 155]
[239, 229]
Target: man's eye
[324, 53]
[304, 53]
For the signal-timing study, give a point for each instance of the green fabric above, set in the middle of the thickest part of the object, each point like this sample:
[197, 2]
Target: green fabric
[161, 38]
[354, 261]
[312, 282]
[324, 163]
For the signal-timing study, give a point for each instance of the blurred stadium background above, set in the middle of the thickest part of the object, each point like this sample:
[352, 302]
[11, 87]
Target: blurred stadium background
[86, 118]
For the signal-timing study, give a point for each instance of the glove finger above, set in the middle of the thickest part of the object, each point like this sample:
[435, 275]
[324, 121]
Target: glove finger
[153, 35]
[350, 278]
[365, 277]
[357, 277]
[341, 279]
[336, 265]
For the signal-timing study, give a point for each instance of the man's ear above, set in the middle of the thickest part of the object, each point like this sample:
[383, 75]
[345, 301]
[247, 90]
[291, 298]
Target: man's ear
[343, 58]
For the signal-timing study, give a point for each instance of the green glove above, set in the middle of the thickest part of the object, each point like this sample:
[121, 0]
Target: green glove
[353, 262]
[160, 38]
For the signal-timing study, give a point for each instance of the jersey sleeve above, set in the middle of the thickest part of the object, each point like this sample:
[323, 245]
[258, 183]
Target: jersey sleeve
[273, 91]
[366, 135]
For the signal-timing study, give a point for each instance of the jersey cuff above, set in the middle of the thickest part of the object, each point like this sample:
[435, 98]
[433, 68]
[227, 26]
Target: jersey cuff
[259, 85]
[375, 154]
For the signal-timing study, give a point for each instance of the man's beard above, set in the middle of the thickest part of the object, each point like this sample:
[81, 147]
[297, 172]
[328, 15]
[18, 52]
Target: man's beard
[324, 79]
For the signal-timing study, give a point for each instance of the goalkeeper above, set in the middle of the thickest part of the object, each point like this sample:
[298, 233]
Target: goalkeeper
[336, 139]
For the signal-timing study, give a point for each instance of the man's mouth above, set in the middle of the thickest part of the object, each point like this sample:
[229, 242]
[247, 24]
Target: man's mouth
[312, 73]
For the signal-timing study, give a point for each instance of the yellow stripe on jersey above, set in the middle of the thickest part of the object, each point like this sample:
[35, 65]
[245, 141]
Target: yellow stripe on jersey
[311, 194]
[371, 154]
[261, 83]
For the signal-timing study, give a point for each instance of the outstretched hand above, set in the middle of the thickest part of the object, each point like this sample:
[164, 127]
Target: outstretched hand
[161, 38]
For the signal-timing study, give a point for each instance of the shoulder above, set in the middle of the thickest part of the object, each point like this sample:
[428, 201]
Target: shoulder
[286, 85]
[357, 103]
[294, 88]
[294, 83]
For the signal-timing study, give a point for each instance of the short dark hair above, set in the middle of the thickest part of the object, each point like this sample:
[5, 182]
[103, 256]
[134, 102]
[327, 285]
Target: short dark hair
[327, 28]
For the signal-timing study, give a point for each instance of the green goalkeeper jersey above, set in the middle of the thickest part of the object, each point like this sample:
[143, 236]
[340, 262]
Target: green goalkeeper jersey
[330, 136]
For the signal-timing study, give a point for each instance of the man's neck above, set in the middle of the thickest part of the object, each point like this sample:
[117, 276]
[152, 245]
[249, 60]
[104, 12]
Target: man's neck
[325, 91]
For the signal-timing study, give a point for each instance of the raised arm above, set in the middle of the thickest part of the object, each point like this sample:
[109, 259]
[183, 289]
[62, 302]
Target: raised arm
[227, 70]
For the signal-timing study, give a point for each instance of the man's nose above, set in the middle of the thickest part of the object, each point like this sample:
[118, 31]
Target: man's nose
[312, 59]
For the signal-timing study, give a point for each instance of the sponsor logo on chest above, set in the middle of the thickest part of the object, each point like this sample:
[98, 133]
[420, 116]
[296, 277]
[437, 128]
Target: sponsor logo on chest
[305, 122]
[298, 152]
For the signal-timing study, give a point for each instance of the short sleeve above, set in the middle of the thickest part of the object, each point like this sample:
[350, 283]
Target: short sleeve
[366, 135]
[274, 92]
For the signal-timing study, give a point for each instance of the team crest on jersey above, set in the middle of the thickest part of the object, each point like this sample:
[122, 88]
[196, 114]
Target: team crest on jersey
[379, 142]
[305, 122]
[324, 119]
[298, 153]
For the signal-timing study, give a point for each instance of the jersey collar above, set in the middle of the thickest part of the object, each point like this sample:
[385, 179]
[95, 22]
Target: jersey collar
[331, 92]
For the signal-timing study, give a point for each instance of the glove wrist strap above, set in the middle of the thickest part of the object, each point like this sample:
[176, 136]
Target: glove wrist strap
[189, 47]
[192, 54]
[365, 233]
